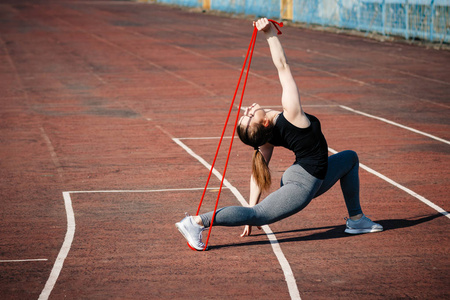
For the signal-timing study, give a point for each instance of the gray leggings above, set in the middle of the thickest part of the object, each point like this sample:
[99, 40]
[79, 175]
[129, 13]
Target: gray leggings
[297, 189]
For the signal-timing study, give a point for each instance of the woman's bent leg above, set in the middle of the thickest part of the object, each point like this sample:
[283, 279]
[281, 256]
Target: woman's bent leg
[344, 166]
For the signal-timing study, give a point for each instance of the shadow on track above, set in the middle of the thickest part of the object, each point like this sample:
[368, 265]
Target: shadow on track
[330, 232]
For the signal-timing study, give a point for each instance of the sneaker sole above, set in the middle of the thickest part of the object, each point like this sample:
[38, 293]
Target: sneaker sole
[181, 229]
[359, 231]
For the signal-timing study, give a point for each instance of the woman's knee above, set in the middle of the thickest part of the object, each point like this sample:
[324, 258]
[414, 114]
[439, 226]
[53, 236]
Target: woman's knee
[352, 156]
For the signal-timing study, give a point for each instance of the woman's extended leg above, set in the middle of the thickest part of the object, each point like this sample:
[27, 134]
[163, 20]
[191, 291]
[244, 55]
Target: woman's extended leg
[296, 193]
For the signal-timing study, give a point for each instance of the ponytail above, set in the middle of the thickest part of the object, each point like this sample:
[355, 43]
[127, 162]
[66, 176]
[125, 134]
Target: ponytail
[261, 171]
[255, 137]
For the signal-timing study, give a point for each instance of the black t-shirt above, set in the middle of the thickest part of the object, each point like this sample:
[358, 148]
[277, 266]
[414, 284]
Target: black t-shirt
[308, 144]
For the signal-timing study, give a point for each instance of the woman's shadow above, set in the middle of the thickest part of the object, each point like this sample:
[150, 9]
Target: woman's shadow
[330, 232]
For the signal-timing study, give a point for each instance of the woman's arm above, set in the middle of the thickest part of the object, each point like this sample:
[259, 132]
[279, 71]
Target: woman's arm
[255, 192]
[290, 98]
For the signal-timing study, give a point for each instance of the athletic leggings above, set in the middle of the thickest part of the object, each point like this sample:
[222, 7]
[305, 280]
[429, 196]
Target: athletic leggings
[297, 190]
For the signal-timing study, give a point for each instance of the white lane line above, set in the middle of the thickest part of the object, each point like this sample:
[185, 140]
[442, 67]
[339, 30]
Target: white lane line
[399, 186]
[204, 138]
[395, 124]
[22, 260]
[68, 239]
[141, 191]
[289, 276]
[65, 248]
[349, 109]
[284, 263]
[304, 105]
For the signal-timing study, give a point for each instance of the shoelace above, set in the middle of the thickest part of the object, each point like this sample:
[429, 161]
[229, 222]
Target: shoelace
[200, 243]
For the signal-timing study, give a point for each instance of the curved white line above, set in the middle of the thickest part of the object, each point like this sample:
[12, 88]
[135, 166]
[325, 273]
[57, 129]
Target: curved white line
[63, 252]
[64, 249]
[288, 275]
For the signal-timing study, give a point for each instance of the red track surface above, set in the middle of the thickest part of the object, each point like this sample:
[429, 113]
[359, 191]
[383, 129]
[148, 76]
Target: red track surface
[92, 93]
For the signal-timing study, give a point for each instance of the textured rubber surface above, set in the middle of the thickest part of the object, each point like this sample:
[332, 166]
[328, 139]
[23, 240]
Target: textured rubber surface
[92, 93]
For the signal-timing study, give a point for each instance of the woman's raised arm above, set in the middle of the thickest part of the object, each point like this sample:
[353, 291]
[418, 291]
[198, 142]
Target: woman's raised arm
[290, 98]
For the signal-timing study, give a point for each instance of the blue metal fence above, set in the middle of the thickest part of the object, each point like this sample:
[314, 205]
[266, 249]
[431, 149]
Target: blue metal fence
[186, 3]
[423, 19]
[267, 8]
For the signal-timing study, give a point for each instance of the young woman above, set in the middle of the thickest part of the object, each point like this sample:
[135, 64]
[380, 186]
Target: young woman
[312, 174]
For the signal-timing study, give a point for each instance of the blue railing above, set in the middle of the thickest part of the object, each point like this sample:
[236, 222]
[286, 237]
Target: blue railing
[413, 19]
[424, 19]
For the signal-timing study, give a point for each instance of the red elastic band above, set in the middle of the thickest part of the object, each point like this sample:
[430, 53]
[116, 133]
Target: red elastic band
[275, 23]
[248, 56]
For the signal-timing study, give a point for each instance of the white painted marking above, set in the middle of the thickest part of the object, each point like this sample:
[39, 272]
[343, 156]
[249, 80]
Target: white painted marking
[140, 191]
[289, 276]
[204, 138]
[395, 124]
[64, 249]
[63, 252]
[22, 260]
[349, 109]
[397, 185]
[287, 271]
[305, 105]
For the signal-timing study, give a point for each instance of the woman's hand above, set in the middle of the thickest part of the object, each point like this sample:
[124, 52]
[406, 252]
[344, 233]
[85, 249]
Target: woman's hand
[263, 25]
[248, 230]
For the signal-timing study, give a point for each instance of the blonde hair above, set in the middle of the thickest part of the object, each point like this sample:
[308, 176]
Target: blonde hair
[256, 136]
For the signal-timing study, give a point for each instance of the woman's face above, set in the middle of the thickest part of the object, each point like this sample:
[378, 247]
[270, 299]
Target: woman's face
[253, 114]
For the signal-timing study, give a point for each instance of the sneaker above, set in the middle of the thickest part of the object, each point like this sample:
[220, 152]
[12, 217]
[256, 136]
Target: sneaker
[192, 232]
[363, 225]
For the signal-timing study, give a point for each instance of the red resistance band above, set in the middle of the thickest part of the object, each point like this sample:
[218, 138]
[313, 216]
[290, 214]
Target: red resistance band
[251, 47]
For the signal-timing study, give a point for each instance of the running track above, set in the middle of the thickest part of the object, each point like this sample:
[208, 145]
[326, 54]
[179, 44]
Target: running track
[110, 113]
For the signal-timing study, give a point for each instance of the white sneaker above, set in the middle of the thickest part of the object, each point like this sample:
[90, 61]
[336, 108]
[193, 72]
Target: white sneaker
[192, 232]
[363, 225]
